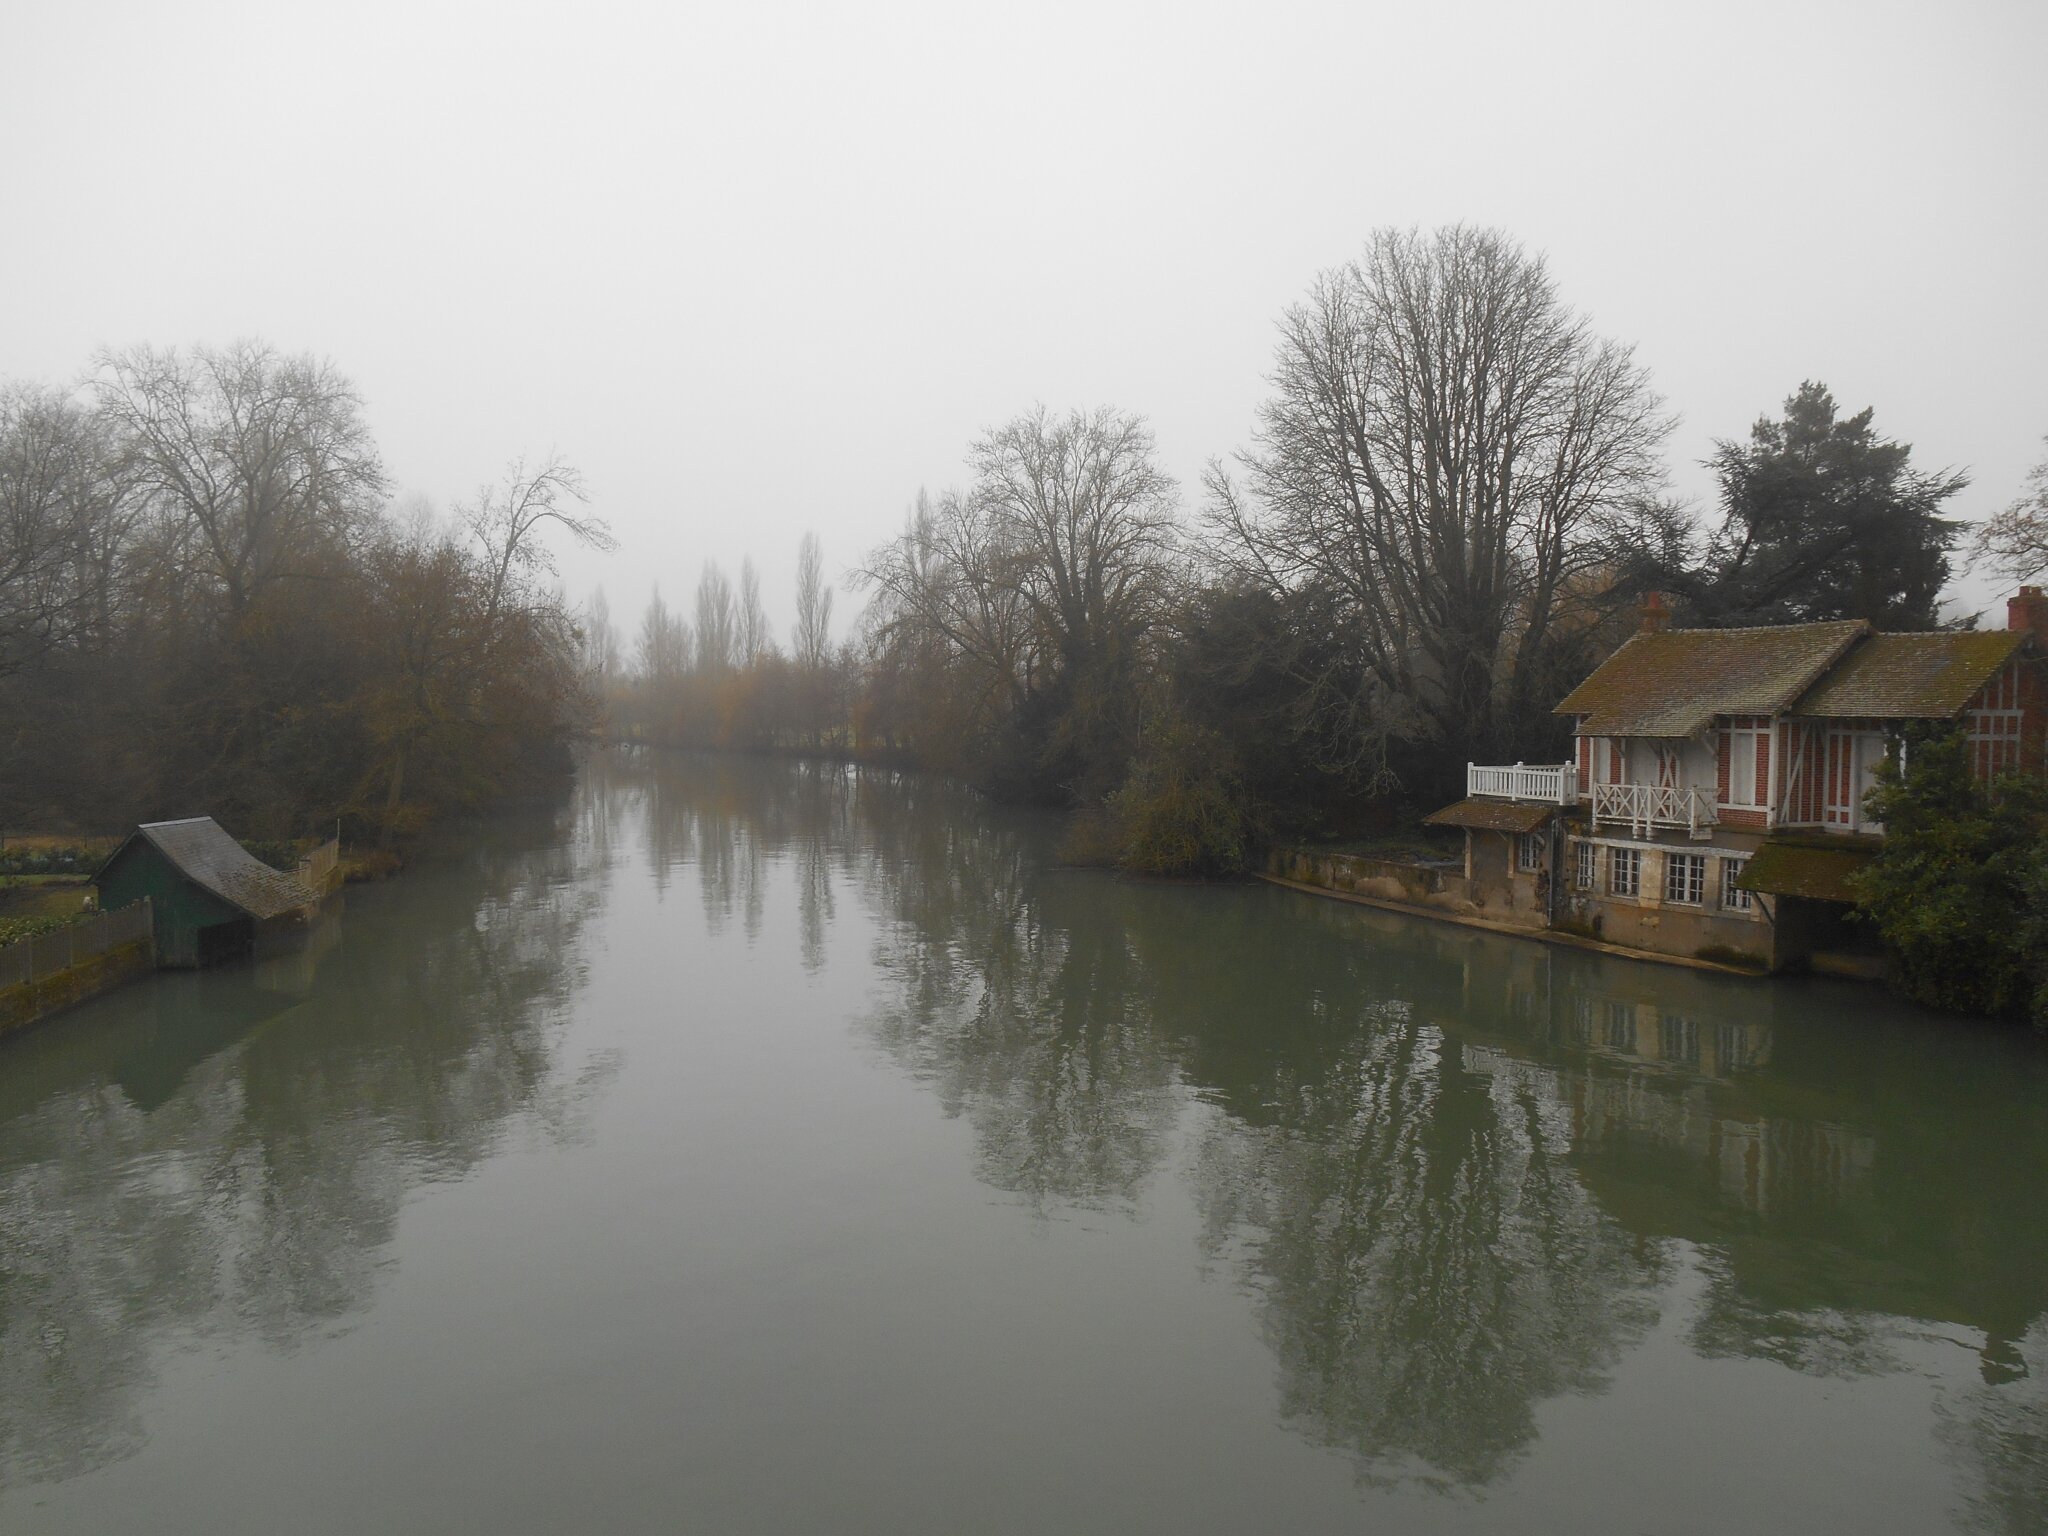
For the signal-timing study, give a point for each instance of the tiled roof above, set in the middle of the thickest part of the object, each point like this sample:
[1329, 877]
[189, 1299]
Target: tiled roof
[206, 855]
[1911, 677]
[1806, 869]
[1492, 815]
[1674, 682]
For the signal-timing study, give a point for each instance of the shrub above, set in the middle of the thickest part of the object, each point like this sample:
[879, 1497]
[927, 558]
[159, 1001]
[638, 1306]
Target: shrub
[47, 861]
[1956, 892]
[15, 928]
[1182, 809]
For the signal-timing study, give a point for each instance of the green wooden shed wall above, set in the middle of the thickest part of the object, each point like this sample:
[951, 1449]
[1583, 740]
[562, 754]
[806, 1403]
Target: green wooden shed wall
[194, 927]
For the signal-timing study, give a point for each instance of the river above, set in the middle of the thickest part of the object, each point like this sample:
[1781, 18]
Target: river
[752, 1147]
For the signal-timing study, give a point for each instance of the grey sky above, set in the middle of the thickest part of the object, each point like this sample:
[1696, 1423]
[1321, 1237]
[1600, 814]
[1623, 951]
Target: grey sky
[759, 268]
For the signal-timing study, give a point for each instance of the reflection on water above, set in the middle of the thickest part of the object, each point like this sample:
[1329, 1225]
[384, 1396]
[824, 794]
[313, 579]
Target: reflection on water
[1457, 1178]
[227, 1152]
[1450, 1166]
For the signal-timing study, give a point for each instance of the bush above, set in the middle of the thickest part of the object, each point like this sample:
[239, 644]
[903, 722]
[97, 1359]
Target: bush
[16, 928]
[1182, 810]
[1956, 893]
[47, 861]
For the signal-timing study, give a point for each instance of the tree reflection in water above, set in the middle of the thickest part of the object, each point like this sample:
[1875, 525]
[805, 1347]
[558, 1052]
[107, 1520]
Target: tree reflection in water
[226, 1154]
[1458, 1176]
[1457, 1172]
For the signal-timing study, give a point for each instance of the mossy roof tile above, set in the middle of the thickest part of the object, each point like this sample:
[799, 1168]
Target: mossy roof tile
[1492, 815]
[1911, 677]
[1672, 683]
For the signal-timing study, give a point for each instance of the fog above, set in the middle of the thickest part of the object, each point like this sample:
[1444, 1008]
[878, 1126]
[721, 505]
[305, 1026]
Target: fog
[765, 268]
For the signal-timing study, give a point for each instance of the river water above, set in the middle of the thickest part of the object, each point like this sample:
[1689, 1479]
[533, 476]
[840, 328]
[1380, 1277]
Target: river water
[765, 1148]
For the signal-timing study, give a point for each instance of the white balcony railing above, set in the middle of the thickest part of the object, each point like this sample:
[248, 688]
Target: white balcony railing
[1550, 786]
[1645, 807]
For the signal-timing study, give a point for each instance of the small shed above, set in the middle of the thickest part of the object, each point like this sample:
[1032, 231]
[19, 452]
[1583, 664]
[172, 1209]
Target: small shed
[210, 894]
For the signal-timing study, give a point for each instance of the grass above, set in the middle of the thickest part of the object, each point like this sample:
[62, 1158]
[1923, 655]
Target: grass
[43, 896]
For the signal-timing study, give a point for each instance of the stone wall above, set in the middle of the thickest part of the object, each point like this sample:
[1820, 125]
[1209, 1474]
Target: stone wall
[1421, 885]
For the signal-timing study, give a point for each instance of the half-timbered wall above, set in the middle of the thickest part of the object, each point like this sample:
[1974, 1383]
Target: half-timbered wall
[1802, 770]
[1995, 723]
[1744, 798]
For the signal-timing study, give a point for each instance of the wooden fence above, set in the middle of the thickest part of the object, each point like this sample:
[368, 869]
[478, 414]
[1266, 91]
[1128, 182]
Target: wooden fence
[316, 869]
[26, 960]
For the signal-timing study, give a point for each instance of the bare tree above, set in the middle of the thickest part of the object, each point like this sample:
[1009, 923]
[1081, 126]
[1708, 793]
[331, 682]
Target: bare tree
[1447, 449]
[1033, 597]
[750, 630]
[664, 644]
[60, 517]
[715, 620]
[2014, 544]
[1087, 523]
[601, 655]
[260, 464]
[812, 639]
[944, 584]
[505, 519]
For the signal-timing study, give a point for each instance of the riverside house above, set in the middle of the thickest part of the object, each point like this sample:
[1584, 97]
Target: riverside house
[1714, 804]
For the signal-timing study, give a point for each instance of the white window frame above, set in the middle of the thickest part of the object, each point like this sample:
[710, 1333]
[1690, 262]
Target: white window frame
[1529, 852]
[1589, 867]
[1742, 745]
[1733, 897]
[1685, 879]
[1625, 872]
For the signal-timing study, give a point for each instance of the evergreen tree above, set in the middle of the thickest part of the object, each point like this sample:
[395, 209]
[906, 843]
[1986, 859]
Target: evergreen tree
[1824, 519]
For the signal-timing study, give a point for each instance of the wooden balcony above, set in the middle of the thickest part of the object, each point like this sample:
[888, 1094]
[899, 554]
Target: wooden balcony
[1646, 808]
[1545, 785]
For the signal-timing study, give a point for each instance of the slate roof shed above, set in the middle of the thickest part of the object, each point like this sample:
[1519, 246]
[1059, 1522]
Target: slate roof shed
[209, 893]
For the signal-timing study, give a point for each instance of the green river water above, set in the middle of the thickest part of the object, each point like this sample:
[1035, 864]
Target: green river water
[754, 1147]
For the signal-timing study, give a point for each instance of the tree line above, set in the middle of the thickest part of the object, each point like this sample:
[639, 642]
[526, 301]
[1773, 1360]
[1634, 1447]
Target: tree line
[711, 674]
[1453, 501]
[209, 604]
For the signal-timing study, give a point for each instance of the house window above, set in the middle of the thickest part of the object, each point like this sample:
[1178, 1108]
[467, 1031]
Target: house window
[1529, 852]
[1733, 897]
[1685, 878]
[1745, 785]
[1589, 865]
[1624, 871]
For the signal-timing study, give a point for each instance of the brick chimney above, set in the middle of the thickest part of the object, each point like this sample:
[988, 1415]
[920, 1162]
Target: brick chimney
[1657, 617]
[2028, 609]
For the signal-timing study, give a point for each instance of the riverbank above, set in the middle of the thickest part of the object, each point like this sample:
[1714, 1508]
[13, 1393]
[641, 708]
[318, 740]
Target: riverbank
[1439, 914]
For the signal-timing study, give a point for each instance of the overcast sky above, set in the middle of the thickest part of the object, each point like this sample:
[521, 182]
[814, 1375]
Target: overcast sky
[760, 268]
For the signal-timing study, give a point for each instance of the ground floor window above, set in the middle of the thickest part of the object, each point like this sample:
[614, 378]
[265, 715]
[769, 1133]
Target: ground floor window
[1625, 871]
[1529, 852]
[1589, 864]
[1685, 878]
[1732, 897]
